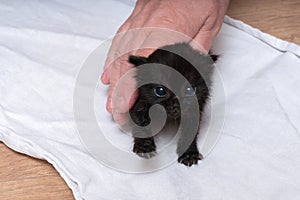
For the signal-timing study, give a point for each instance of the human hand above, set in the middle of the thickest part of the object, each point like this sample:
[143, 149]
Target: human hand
[153, 24]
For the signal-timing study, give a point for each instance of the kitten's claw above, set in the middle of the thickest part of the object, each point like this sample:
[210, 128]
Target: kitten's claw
[200, 156]
[194, 162]
[145, 149]
[146, 155]
[190, 158]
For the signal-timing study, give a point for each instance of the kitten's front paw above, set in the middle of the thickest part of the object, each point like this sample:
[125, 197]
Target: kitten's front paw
[190, 158]
[145, 148]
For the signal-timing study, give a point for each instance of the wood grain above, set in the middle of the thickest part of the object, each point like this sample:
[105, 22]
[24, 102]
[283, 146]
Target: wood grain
[22, 177]
[276, 17]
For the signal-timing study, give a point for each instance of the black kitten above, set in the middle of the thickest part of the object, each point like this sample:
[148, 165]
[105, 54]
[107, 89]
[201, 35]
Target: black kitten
[188, 62]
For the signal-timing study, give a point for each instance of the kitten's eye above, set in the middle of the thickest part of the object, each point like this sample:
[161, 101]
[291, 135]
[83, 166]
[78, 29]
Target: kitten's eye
[160, 91]
[190, 91]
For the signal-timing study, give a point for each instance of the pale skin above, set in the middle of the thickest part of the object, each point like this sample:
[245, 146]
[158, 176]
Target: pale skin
[199, 20]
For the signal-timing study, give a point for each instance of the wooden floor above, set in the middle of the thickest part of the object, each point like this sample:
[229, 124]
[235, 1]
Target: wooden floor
[22, 177]
[276, 17]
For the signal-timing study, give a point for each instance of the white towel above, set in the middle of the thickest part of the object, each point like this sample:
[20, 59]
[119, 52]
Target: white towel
[42, 47]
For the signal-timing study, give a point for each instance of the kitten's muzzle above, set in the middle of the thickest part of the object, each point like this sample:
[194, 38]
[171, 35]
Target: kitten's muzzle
[174, 109]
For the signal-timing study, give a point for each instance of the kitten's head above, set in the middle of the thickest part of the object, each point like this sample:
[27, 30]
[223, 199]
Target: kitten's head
[185, 60]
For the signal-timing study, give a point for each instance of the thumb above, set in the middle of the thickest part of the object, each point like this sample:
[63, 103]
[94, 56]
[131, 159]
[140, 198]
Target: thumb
[125, 93]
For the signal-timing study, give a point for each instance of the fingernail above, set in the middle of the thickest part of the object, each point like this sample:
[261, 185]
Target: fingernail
[104, 78]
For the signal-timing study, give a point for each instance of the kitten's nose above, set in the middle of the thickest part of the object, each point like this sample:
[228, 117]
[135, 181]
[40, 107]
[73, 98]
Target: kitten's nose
[175, 112]
[175, 108]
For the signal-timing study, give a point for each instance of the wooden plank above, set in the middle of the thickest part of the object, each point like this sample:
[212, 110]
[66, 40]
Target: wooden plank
[47, 187]
[19, 166]
[276, 17]
[23, 177]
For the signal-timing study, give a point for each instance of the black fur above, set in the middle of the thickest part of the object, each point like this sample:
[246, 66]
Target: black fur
[145, 146]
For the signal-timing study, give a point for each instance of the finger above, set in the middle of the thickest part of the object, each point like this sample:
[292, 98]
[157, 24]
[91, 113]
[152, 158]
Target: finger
[124, 96]
[119, 65]
[105, 78]
[120, 118]
[118, 48]
[109, 106]
[125, 92]
[123, 43]
[119, 37]
[112, 54]
[120, 86]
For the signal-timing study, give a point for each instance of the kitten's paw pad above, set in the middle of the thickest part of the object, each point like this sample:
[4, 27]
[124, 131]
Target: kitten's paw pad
[190, 158]
[145, 149]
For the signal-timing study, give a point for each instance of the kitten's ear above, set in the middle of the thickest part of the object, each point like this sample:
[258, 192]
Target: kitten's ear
[137, 60]
[213, 56]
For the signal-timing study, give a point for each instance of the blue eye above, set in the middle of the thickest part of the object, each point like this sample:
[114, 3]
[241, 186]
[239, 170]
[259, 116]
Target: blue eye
[190, 91]
[160, 91]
